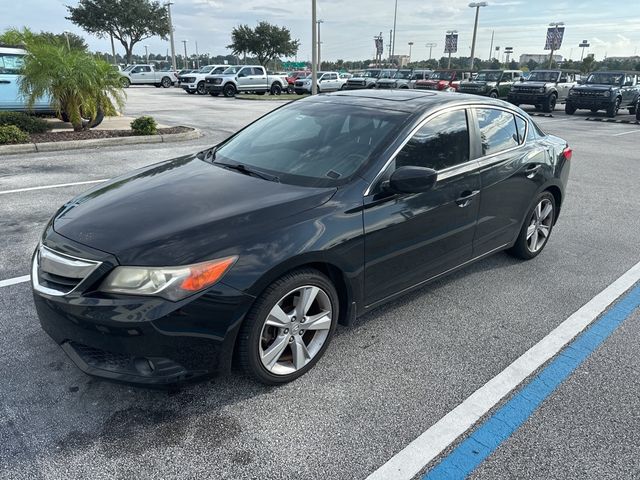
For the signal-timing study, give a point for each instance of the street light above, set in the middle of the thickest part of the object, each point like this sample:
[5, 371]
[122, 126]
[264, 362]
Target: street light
[583, 45]
[393, 40]
[173, 46]
[553, 40]
[430, 46]
[319, 44]
[146, 52]
[185, 64]
[477, 6]
[314, 49]
[410, 45]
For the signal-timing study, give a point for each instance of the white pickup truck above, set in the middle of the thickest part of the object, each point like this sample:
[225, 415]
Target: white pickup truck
[248, 78]
[147, 75]
[195, 81]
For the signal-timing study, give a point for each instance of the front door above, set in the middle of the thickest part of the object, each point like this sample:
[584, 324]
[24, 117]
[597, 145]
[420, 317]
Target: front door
[505, 84]
[410, 238]
[141, 74]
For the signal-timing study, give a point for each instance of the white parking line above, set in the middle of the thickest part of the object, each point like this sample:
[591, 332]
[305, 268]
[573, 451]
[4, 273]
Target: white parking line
[637, 130]
[14, 281]
[414, 457]
[58, 185]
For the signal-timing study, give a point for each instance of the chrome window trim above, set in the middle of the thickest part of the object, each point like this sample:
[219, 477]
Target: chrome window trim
[463, 167]
[64, 259]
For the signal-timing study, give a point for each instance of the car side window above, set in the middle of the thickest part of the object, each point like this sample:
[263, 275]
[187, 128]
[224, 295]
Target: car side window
[145, 69]
[498, 131]
[334, 76]
[11, 64]
[521, 124]
[258, 71]
[441, 143]
[245, 72]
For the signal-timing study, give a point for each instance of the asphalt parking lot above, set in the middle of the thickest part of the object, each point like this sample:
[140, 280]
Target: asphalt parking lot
[382, 382]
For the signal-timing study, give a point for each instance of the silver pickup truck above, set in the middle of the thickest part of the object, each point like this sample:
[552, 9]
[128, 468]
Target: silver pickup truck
[247, 78]
[147, 75]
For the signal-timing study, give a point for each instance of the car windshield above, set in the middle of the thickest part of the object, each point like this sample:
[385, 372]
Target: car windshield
[232, 70]
[371, 73]
[128, 68]
[386, 74]
[11, 63]
[605, 78]
[206, 69]
[318, 144]
[441, 76]
[543, 77]
[402, 74]
[488, 76]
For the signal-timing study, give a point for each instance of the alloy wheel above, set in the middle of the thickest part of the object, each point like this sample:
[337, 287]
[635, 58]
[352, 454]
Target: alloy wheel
[540, 225]
[295, 330]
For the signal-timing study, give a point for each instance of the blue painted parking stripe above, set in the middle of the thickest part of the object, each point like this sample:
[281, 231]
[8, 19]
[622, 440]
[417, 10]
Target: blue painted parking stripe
[466, 457]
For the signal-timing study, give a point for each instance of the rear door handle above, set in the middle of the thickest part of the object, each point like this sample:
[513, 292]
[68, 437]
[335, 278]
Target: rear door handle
[465, 198]
[532, 170]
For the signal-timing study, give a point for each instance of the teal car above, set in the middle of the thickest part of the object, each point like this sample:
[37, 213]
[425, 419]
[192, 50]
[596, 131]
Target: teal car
[11, 61]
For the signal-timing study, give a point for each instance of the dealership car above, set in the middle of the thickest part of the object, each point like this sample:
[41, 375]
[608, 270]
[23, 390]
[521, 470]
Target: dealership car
[605, 90]
[195, 82]
[543, 89]
[444, 80]
[11, 62]
[327, 82]
[256, 248]
[491, 83]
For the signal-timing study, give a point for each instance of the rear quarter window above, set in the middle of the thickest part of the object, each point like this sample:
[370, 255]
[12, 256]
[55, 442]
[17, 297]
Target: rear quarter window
[11, 63]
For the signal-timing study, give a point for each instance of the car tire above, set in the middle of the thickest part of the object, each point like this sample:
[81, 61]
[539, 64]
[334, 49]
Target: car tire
[214, 94]
[638, 113]
[190, 92]
[290, 90]
[201, 88]
[532, 239]
[166, 82]
[493, 94]
[569, 109]
[612, 110]
[126, 83]
[343, 87]
[229, 90]
[550, 104]
[632, 110]
[273, 345]
[276, 89]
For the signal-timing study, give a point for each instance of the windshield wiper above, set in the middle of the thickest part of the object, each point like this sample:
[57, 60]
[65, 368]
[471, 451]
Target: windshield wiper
[239, 167]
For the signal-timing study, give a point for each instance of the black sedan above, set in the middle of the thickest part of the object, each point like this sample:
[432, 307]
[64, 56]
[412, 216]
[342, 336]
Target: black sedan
[255, 249]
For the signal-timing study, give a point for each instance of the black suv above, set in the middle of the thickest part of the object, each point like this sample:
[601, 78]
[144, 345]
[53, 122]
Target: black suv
[543, 88]
[609, 91]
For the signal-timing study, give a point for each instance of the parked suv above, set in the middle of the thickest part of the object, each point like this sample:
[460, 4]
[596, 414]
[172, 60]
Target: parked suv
[249, 78]
[147, 75]
[293, 76]
[543, 88]
[327, 82]
[444, 80]
[399, 79]
[368, 78]
[607, 91]
[11, 61]
[491, 83]
[196, 81]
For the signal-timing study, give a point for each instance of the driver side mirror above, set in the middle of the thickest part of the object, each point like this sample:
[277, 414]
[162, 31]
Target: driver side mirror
[412, 180]
[580, 82]
[522, 79]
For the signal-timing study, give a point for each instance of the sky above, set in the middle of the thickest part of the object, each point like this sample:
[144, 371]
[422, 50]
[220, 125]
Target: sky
[612, 28]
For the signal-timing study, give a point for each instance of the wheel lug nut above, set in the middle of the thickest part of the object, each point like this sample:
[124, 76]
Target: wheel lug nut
[303, 320]
[301, 332]
[286, 330]
[290, 339]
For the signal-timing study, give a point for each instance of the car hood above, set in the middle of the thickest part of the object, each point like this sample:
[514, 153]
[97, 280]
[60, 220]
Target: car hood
[594, 88]
[478, 84]
[179, 212]
[528, 84]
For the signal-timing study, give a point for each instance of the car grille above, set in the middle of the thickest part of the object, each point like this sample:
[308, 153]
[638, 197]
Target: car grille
[588, 93]
[57, 274]
[427, 86]
[357, 83]
[386, 85]
[299, 84]
[215, 81]
[187, 80]
[526, 90]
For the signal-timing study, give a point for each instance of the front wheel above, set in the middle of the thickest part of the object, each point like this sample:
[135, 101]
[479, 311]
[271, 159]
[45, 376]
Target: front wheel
[569, 109]
[638, 113]
[201, 88]
[536, 230]
[166, 82]
[229, 90]
[289, 327]
[549, 104]
[493, 94]
[276, 89]
[612, 110]
[125, 82]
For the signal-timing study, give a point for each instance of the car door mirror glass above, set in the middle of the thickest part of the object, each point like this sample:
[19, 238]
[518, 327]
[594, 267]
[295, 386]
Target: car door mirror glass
[412, 179]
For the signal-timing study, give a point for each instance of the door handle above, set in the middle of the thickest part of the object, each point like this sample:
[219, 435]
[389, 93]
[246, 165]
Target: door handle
[465, 198]
[5, 81]
[532, 170]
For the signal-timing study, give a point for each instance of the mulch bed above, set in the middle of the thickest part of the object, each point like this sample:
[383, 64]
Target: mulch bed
[91, 134]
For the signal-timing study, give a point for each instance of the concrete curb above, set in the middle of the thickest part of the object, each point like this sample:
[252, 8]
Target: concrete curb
[612, 120]
[98, 142]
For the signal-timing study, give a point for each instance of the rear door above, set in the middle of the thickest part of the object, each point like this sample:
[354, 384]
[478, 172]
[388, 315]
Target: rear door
[259, 78]
[410, 238]
[511, 171]
[629, 92]
[506, 82]
[564, 85]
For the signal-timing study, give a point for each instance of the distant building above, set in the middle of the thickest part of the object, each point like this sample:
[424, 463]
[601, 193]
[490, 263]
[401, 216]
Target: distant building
[538, 58]
[400, 60]
[634, 58]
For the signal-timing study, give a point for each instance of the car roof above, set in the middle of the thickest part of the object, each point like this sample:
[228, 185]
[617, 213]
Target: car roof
[409, 101]
[12, 50]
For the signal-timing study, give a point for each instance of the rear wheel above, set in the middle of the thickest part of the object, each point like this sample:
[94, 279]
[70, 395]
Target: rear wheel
[612, 110]
[493, 94]
[201, 88]
[125, 82]
[229, 90]
[276, 89]
[569, 109]
[289, 327]
[536, 229]
[166, 82]
[549, 104]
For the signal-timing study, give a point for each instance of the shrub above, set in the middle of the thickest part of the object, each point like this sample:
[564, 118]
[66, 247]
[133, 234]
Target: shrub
[10, 134]
[144, 126]
[26, 123]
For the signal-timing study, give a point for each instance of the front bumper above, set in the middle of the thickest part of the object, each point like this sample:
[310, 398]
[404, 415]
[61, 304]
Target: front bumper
[349, 86]
[527, 98]
[190, 87]
[600, 103]
[213, 88]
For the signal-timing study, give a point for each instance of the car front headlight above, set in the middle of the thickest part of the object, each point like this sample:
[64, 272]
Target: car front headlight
[572, 92]
[541, 89]
[172, 283]
[606, 94]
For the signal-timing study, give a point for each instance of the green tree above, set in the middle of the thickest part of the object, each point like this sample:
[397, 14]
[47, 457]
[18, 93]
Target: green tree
[588, 64]
[79, 84]
[265, 42]
[13, 36]
[128, 21]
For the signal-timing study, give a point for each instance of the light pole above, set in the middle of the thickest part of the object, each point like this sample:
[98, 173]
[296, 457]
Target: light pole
[173, 46]
[477, 6]
[146, 53]
[410, 45]
[319, 44]
[197, 57]
[583, 45]
[113, 50]
[393, 40]
[185, 64]
[66, 35]
[430, 46]
[450, 32]
[553, 40]
[314, 49]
